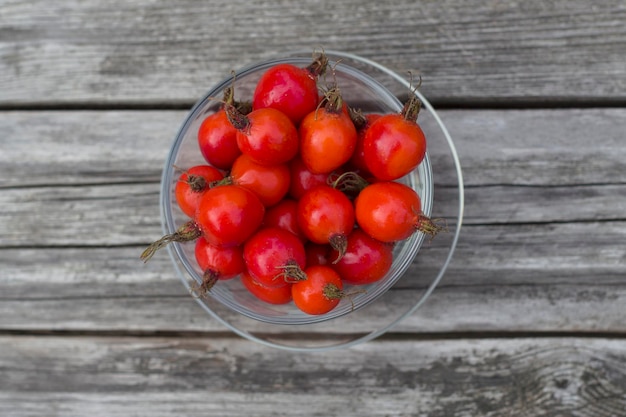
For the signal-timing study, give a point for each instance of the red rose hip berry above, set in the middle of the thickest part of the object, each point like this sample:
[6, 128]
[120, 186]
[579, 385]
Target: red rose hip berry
[390, 211]
[290, 89]
[266, 135]
[326, 215]
[320, 292]
[274, 257]
[394, 144]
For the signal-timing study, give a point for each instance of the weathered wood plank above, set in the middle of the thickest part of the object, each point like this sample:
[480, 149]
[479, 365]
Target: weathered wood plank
[542, 250]
[521, 147]
[508, 309]
[539, 147]
[84, 147]
[52, 214]
[85, 215]
[502, 278]
[49, 148]
[73, 215]
[230, 377]
[555, 254]
[168, 53]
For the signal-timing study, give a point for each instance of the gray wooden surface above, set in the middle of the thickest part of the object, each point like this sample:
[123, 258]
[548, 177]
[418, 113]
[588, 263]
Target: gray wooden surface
[529, 320]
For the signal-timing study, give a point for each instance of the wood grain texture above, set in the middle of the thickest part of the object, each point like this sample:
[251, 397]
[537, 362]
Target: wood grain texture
[529, 320]
[523, 308]
[486, 256]
[155, 53]
[84, 147]
[79, 202]
[519, 147]
[57, 216]
[502, 278]
[230, 377]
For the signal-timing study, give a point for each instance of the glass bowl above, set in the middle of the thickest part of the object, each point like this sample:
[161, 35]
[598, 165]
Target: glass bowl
[366, 314]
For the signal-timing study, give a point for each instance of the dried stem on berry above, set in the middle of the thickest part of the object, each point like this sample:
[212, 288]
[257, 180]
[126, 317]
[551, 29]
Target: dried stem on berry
[339, 242]
[229, 94]
[358, 118]
[430, 227]
[332, 292]
[333, 101]
[243, 107]
[319, 64]
[187, 232]
[209, 278]
[411, 108]
[239, 120]
[349, 182]
[227, 180]
[291, 272]
[197, 183]
[413, 105]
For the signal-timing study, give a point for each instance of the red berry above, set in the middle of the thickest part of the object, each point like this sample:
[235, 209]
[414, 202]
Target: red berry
[290, 89]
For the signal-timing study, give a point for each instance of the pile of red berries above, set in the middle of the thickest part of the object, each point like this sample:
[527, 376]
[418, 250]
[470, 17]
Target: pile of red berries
[299, 194]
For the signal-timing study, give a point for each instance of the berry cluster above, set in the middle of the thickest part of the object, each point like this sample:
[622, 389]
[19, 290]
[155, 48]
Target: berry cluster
[299, 194]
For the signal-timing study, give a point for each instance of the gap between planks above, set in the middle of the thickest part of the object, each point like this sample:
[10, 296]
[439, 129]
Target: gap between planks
[512, 103]
[389, 336]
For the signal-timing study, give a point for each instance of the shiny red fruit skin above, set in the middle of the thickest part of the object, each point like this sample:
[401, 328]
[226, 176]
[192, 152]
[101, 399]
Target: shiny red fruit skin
[366, 260]
[228, 215]
[388, 211]
[357, 160]
[308, 295]
[269, 138]
[393, 147]
[268, 251]
[186, 197]
[270, 295]
[217, 139]
[269, 182]
[287, 88]
[302, 179]
[324, 212]
[327, 140]
[284, 215]
[318, 254]
[225, 263]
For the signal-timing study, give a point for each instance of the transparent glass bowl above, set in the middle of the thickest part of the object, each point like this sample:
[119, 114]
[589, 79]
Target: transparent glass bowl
[365, 315]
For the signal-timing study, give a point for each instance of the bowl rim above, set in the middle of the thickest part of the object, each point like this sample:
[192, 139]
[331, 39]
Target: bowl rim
[174, 251]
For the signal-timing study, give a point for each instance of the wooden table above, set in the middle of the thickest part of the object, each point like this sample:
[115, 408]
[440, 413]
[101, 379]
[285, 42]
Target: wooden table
[530, 319]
